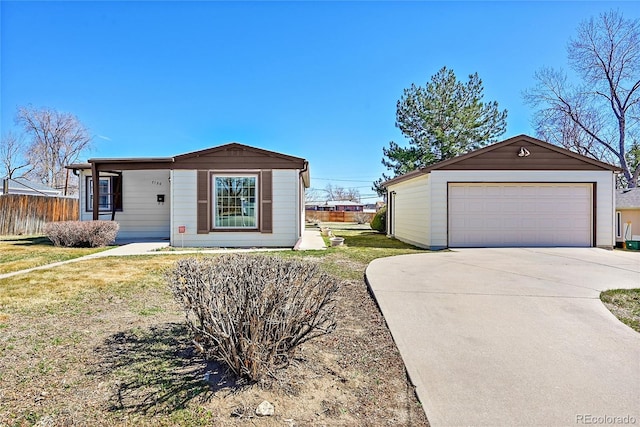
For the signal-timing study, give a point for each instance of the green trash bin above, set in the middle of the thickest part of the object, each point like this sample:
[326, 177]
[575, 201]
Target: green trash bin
[634, 245]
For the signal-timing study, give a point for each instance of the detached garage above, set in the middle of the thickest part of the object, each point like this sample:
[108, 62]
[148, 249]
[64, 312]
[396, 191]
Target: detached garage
[518, 192]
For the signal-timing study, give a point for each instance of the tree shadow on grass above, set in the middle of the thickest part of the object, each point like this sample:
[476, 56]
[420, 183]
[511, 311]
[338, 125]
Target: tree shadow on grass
[30, 241]
[156, 370]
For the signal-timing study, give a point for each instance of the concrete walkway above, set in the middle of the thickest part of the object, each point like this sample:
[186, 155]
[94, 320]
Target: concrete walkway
[311, 240]
[507, 337]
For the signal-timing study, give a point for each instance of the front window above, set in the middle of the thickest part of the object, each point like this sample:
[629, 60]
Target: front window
[235, 201]
[110, 193]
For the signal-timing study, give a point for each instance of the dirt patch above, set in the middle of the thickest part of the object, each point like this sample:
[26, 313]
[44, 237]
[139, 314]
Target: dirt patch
[114, 357]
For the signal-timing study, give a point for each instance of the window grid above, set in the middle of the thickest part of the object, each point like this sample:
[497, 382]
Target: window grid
[104, 202]
[235, 202]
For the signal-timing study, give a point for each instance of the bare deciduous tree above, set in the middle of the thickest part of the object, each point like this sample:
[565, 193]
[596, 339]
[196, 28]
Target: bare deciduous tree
[56, 140]
[335, 192]
[312, 195]
[12, 156]
[600, 117]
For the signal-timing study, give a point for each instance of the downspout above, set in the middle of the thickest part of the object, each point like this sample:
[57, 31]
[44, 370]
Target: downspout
[388, 216]
[301, 193]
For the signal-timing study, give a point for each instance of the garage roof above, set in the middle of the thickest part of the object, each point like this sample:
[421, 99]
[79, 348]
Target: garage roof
[521, 152]
[629, 198]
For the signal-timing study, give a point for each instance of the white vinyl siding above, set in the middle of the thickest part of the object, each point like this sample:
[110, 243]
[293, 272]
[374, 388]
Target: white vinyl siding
[286, 209]
[523, 214]
[421, 212]
[142, 216]
[411, 211]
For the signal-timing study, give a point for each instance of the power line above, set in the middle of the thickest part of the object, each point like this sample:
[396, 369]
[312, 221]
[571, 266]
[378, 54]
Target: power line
[322, 189]
[342, 180]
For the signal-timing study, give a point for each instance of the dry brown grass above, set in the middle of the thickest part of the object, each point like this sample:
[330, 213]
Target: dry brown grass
[23, 252]
[624, 304]
[101, 342]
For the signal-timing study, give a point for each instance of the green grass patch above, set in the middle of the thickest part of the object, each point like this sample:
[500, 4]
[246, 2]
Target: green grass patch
[150, 311]
[625, 305]
[23, 252]
[361, 246]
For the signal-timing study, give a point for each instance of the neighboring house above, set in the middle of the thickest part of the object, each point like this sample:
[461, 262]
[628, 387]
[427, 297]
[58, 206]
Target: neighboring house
[627, 215]
[227, 196]
[518, 192]
[24, 186]
[335, 206]
[373, 207]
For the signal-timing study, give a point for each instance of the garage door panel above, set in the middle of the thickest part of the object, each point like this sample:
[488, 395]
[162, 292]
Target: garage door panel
[503, 214]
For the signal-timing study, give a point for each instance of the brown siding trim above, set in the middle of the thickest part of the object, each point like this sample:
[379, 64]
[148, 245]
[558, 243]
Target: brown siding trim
[203, 197]
[246, 172]
[515, 143]
[503, 156]
[228, 156]
[234, 155]
[125, 164]
[266, 201]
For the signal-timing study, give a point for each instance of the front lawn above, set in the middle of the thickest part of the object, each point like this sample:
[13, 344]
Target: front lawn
[23, 252]
[102, 342]
[624, 304]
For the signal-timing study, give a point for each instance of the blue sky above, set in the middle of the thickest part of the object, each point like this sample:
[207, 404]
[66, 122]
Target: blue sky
[318, 80]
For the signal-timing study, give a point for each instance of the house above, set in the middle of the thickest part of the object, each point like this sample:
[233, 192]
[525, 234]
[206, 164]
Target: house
[518, 192]
[627, 215]
[232, 195]
[335, 206]
[24, 186]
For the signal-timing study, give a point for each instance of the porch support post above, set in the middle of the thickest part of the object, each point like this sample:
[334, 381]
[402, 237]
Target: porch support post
[96, 191]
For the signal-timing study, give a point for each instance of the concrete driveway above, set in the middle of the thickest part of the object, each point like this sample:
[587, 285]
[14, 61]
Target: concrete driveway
[514, 336]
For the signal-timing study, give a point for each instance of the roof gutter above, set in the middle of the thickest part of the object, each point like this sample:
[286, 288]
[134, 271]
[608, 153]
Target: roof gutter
[304, 174]
[405, 177]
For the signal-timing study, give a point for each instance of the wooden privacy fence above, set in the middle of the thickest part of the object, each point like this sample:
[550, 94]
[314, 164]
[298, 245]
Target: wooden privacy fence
[336, 216]
[25, 214]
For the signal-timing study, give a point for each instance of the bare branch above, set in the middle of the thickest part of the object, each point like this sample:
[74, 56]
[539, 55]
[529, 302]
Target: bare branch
[56, 139]
[12, 155]
[606, 55]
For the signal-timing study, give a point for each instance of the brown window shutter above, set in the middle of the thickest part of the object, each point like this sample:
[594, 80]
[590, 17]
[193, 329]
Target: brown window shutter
[266, 201]
[203, 196]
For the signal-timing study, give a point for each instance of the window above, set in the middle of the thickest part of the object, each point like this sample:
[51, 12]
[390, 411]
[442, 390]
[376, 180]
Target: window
[618, 224]
[110, 193]
[235, 201]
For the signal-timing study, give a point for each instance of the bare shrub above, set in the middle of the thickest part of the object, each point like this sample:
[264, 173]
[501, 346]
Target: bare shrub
[312, 218]
[250, 312]
[82, 233]
[361, 217]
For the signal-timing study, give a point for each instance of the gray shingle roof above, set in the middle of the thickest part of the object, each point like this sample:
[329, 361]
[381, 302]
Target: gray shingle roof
[628, 198]
[24, 186]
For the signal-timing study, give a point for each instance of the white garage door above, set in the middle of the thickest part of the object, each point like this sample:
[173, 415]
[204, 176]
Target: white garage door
[515, 214]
